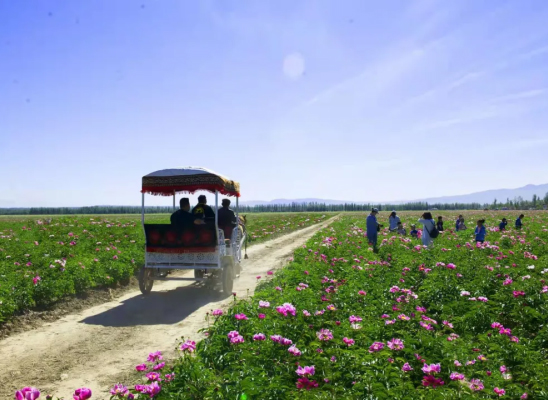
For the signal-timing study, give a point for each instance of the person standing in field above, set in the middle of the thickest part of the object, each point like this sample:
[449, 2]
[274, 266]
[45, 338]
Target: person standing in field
[393, 221]
[428, 227]
[519, 223]
[372, 227]
[502, 225]
[480, 231]
[439, 224]
[461, 226]
[457, 222]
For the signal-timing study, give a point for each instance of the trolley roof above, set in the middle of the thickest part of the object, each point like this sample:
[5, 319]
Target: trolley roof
[165, 182]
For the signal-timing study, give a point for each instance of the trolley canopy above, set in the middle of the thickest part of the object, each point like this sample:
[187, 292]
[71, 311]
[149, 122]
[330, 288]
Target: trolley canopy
[189, 179]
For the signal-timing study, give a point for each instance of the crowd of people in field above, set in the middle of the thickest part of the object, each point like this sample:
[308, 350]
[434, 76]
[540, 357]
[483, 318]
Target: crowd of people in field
[430, 227]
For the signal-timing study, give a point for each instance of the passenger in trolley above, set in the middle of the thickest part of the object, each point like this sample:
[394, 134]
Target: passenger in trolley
[182, 218]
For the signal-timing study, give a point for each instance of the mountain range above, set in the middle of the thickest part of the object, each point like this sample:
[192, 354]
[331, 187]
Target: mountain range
[487, 196]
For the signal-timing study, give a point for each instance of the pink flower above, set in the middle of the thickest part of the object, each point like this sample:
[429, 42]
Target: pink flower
[354, 318]
[500, 392]
[507, 282]
[294, 350]
[455, 376]
[217, 312]
[259, 336]
[517, 293]
[362, 293]
[376, 346]
[141, 367]
[152, 390]
[305, 383]
[188, 346]
[496, 325]
[153, 376]
[235, 337]
[258, 277]
[27, 393]
[261, 316]
[324, 335]
[286, 309]
[524, 396]
[395, 344]
[82, 394]
[158, 367]
[155, 356]
[348, 341]
[503, 369]
[430, 380]
[406, 367]
[119, 390]
[270, 273]
[431, 369]
[36, 279]
[505, 331]
[276, 338]
[476, 385]
[304, 371]
[286, 342]
[240, 317]
[264, 304]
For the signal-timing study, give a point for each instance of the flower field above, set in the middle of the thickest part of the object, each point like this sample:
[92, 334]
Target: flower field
[42, 261]
[458, 321]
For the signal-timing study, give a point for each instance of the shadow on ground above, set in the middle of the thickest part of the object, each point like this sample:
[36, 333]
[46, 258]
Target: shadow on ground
[156, 308]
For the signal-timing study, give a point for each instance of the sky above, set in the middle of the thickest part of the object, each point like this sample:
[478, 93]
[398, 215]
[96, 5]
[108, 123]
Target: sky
[350, 100]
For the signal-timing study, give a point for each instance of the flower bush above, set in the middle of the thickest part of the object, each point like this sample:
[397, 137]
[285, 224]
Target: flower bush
[439, 323]
[41, 262]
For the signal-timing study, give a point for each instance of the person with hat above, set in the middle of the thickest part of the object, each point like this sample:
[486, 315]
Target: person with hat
[372, 227]
[393, 221]
[227, 218]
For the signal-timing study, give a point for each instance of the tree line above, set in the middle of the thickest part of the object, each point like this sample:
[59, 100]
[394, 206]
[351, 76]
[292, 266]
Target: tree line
[516, 204]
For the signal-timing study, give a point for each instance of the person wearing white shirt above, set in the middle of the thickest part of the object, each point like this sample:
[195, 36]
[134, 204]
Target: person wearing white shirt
[428, 225]
[393, 221]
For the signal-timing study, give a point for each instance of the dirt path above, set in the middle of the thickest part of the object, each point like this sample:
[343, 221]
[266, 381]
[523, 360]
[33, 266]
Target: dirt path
[101, 345]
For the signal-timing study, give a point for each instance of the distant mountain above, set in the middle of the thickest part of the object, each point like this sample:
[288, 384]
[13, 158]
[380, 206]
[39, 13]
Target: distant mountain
[297, 201]
[487, 196]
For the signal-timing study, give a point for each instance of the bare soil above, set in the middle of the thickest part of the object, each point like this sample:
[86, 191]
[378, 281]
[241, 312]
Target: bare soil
[77, 345]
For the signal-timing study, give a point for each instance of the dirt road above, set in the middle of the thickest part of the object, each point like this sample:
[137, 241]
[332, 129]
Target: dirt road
[99, 346]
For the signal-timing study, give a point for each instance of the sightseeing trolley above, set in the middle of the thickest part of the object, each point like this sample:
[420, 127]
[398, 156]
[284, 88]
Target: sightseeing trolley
[203, 248]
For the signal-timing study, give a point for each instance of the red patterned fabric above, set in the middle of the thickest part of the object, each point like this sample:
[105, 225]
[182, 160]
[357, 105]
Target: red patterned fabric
[180, 250]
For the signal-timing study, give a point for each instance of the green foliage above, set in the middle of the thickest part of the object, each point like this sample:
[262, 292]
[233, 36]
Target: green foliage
[337, 264]
[42, 261]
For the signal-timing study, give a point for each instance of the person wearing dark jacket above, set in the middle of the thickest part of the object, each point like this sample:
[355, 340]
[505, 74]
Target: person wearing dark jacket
[202, 210]
[182, 218]
[439, 224]
[227, 218]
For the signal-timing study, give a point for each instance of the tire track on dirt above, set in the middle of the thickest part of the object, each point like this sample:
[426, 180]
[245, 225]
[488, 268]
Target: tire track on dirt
[97, 346]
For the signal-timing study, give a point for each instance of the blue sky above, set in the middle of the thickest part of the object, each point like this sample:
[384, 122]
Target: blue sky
[354, 100]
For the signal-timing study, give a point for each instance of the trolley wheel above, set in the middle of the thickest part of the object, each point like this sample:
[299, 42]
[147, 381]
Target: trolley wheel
[237, 269]
[227, 275]
[199, 273]
[146, 280]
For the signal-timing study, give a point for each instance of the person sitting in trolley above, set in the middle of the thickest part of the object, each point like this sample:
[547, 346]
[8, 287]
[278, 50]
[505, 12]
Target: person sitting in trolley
[182, 218]
[227, 218]
[203, 211]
